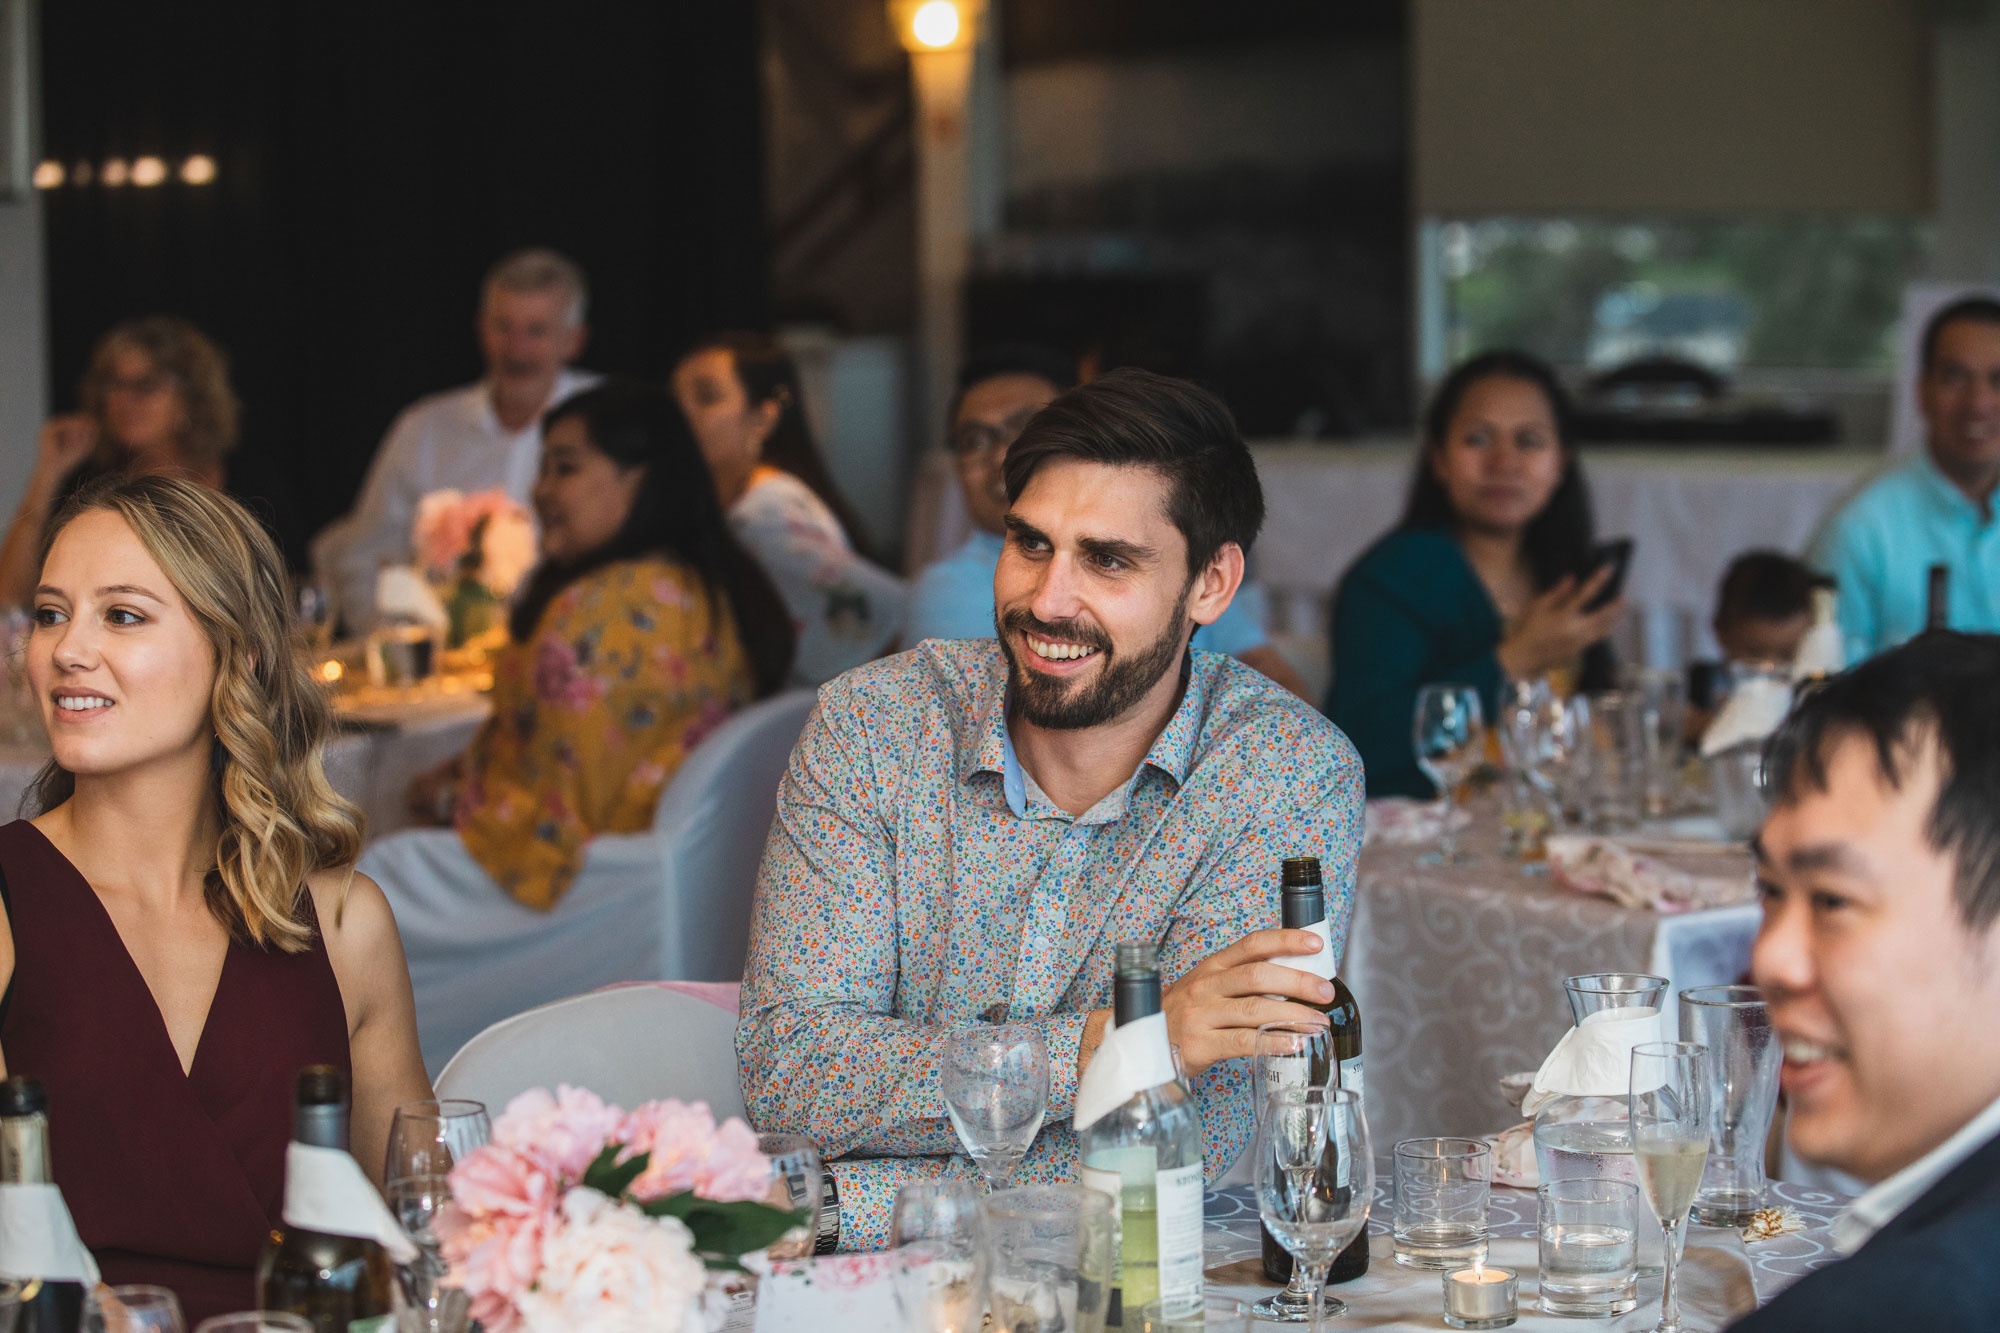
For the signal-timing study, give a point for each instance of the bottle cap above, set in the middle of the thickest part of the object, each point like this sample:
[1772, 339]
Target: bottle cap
[322, 1085]
[1301, 870]
[23, 1096]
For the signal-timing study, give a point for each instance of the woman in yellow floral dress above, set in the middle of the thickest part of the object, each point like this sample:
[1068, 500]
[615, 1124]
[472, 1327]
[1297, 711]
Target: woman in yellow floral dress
[644, 626]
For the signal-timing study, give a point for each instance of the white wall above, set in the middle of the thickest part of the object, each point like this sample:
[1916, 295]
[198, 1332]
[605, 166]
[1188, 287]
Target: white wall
[23, 345]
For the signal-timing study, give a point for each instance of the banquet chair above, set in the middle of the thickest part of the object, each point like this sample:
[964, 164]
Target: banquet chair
[628, 1044]
[671, 902]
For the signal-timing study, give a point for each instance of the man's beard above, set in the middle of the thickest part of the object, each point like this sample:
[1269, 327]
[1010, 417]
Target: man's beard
[1064, 705]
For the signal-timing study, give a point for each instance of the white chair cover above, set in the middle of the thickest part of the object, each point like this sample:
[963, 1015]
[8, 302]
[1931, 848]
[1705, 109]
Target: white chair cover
[673, 902]
[627, 1044]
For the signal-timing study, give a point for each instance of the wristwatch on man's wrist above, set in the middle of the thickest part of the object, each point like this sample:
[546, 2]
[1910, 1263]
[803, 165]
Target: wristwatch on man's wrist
[826, 1227]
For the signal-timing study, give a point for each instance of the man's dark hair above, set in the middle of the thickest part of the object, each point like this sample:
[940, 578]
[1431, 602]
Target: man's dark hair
[1975, 309]
[1134, 418]
[1936, 689]
[1764, 585]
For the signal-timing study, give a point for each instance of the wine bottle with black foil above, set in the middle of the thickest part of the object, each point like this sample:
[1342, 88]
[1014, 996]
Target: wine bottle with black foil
[1146, 1156]
[1937, 599]
[340, 1284]
[1335, 1063]
[43, 1306]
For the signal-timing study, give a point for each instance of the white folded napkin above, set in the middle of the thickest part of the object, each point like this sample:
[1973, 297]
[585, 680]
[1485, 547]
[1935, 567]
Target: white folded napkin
[326, 1190]
[1514, 1156]
[1594, 1058]
[1752, 712]
[1400, 821]
[402, 594]
[1131, 1059]
[1610, 869]
[38, 1239]
[1823, 653]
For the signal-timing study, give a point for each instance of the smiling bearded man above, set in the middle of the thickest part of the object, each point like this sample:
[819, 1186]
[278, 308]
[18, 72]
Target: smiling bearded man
[968, 829]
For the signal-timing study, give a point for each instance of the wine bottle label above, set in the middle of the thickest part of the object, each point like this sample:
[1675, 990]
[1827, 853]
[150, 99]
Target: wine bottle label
[1178, 1192]
[1351, 1077]
[1284, 1071]
[1319, 964]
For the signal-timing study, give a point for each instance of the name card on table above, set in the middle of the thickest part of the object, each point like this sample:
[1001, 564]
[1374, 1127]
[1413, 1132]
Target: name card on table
[841, 1293]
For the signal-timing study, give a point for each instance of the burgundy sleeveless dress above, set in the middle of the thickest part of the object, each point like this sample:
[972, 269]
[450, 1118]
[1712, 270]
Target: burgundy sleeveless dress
[172, 1178]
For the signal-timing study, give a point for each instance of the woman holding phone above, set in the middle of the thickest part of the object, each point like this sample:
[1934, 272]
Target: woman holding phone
[1490, 576]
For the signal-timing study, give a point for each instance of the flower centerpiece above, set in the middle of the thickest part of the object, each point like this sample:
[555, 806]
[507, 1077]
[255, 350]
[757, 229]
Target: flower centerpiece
[477, 547]
[580, 1216]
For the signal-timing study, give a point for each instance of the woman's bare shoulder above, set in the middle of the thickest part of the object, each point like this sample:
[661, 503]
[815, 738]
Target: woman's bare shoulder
[354, 913]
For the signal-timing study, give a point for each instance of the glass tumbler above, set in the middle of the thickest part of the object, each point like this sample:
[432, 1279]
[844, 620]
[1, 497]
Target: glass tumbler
[1587, 1230]
[1617, 760]
[1442, 1187]
[1744, 1055]
[1051, 1248]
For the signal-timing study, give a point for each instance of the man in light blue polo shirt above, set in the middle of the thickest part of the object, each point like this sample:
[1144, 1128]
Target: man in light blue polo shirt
[998, 391]
[1936, 509]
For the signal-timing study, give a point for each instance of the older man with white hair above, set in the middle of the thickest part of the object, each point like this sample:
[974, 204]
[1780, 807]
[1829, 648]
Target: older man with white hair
[480, 437]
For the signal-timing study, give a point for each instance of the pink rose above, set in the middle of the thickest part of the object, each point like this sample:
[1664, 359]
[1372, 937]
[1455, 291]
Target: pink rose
[611, 1269]
[560, 678]
[503, 1207]
[690, 1152]
[567, 1131]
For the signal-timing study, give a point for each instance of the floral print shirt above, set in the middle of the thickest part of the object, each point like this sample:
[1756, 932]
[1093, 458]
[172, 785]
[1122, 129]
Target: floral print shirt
[914, 883]
[845, 609]
[628, 669]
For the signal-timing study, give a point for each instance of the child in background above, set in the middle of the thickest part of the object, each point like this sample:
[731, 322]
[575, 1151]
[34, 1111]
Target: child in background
[1762, 615]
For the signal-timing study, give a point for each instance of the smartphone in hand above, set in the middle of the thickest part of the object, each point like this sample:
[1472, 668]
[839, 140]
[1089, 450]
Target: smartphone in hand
[1617, 553]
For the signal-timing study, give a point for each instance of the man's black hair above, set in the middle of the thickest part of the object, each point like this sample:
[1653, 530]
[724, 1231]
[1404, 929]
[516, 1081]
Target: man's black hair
[1016, 358]
[1975, 309]
[1764, 585]
[1937, 689]
[1134, 418]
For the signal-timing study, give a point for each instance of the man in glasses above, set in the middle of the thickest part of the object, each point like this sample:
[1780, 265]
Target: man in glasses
[999, 391]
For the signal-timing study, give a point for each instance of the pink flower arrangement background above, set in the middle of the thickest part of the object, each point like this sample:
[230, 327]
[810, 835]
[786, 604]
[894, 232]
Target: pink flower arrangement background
[484, 534]
[582, 1216]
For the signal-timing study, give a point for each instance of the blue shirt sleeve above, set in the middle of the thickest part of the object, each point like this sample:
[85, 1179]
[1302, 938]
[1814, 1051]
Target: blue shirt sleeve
[1240, 627]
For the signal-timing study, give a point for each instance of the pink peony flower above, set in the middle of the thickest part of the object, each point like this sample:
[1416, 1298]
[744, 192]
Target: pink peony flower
[566, 1131]
[611, 1269]
[560, 678]
[503, 1208]
[507, 549]
[442, 531]
[690, 1152]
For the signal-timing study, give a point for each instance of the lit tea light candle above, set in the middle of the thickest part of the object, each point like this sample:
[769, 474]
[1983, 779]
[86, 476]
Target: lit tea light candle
[1481, 1297]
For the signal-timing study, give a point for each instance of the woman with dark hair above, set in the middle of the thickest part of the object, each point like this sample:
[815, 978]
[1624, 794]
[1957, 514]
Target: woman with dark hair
[644, 626]
[741, 395]
[1484, 580]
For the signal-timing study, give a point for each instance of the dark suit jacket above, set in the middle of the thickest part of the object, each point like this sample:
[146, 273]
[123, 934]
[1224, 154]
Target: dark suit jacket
[1934, 1269]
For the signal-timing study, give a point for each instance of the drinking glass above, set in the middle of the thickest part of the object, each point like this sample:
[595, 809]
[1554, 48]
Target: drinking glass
[1661, 702]
[1671, 1120]
[1315, 1178]
[939, 1237]
[1589, 1246]
[1450, 741]
[1051, 1250]
[1442, 1188]
[428, 1138]
[1617, 760]
[135, 1309]
[432, 1307]
[797, 1182]
[996, 1090]
[255, 1321]
[1218, 1314]
[1283, 1058]
[1744, 1055]
[1526, 726]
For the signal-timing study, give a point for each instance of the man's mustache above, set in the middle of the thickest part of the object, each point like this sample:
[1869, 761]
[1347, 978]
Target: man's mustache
[1067, 631]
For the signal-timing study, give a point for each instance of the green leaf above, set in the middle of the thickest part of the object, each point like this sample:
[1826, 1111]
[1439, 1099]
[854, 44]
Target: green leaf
[726, 1229]
[607, 1175]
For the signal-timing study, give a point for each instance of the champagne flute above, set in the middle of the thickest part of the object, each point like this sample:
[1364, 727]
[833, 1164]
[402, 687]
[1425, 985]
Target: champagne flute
[996, 1090]
[135, 1309]
[1671, 1120]
[428, 1138]
[938, 1233]
[1286, 1057]
[1315, 1178]
[1450, 741]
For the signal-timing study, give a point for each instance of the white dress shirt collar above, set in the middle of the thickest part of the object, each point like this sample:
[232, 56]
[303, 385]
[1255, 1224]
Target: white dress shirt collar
[1860, 1220]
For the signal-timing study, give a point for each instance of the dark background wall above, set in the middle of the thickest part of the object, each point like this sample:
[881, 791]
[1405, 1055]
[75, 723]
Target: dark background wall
[374, 159]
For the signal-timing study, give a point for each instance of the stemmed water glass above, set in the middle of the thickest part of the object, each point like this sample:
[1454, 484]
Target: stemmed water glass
[1671, 1120]
[428, 1138]
[939, 1237]
[996, 1090]
[1315, 1179]
[1450, 737]
[1285, 1057]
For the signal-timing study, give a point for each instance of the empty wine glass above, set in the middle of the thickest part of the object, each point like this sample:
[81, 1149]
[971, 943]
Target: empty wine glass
[938, 1233]
[135, 1309]
[797, 1182]
[996, 1090]
[432, 1306]
[1315, 1179]
[1671, 1120]
[428, 1138]
[1450, 740]
[1285, 1057]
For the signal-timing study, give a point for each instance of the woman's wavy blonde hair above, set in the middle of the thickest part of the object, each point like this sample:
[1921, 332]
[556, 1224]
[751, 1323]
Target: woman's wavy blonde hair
[281, 820]
[200, 373]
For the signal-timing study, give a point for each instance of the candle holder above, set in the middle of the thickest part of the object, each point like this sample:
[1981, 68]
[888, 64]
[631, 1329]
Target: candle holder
[1481, 1297]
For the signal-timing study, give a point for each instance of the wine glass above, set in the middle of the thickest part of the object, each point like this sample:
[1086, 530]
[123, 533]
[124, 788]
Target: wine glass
[996, 1090]
[433, 1307]
[135, 1309]
[428, 1138]
[1315, 1179]
[1450, 740]
[797, 1183]
[1671, 1120]
[1285, 1057]
[938, 1234]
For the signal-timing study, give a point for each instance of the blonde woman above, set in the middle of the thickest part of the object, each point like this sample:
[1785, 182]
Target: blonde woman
[182, 930]
[156, 399]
